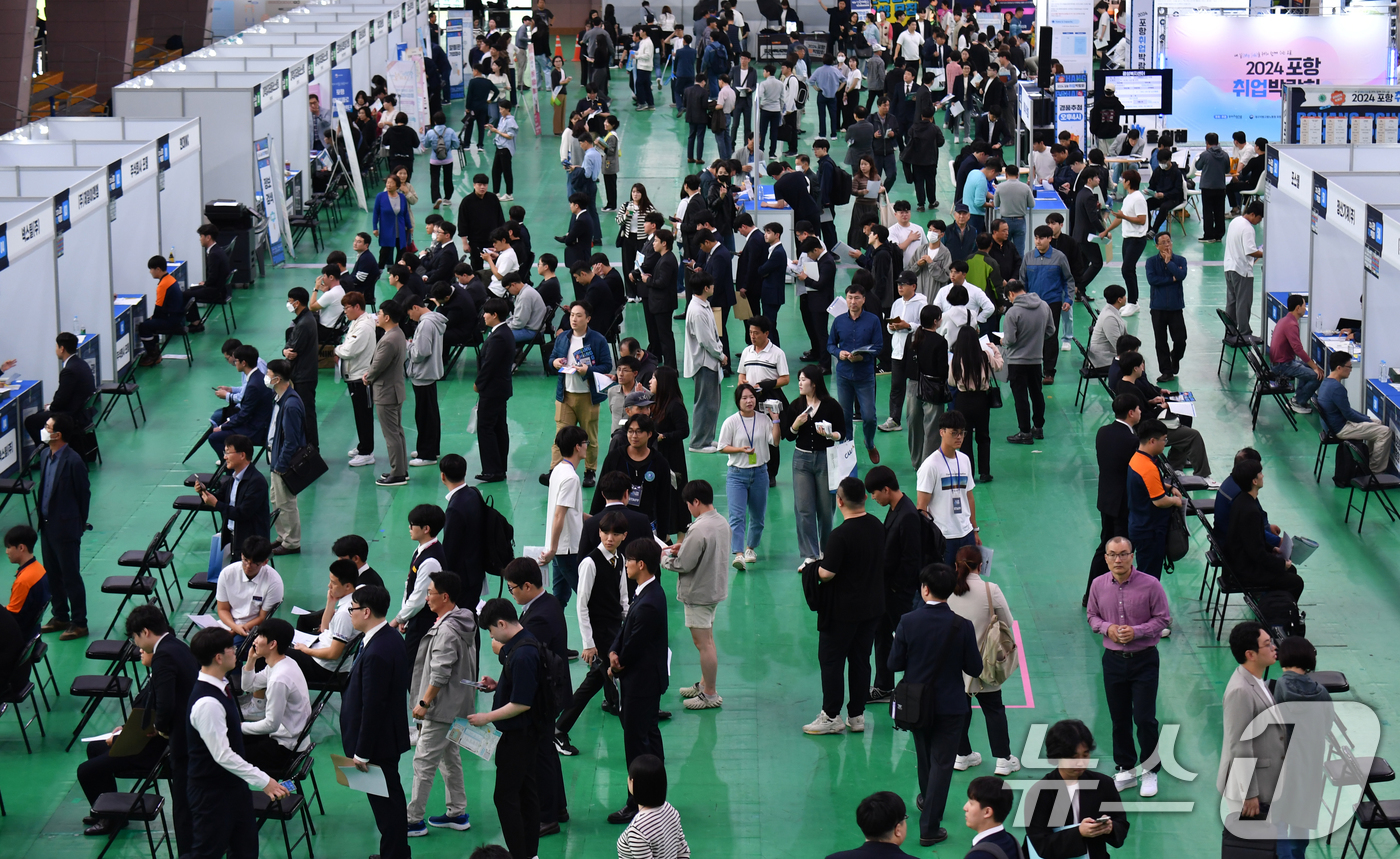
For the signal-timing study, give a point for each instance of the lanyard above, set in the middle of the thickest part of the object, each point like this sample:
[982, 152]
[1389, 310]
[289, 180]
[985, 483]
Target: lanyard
[955, 473]
[749, 429]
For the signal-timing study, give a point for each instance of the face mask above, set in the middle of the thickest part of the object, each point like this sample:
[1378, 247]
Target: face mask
[291, 308]
[44, 435]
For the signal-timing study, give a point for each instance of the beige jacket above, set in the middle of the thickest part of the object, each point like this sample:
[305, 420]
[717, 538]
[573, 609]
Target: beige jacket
[386, 368]
[1245, 699]
[973, 606]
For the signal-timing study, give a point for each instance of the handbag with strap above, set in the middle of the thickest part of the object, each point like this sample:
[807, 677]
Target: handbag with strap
[304, 468]
[998, 647]
[994, 395]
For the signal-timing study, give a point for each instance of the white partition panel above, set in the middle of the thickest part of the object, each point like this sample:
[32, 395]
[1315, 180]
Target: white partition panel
[29, 291]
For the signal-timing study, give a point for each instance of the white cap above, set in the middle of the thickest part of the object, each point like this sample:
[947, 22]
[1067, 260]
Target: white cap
[1109, 87]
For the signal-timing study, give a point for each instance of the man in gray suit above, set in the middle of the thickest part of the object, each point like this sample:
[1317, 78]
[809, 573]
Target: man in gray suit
[1246, 697]
[385, 378]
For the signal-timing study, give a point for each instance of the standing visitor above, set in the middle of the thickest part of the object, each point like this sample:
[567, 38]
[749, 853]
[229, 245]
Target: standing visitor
[1166, 277]
[926, 355]
[1133, 217]
[1213, 169]
[391, 222]
[904, 558]
[981, 602]
[640, 658]
[1241, 253]
[583, 352]
[284, 438]
[945, 487]
[64, 499]
[424, 369]
[855, 340]
[747, 437]
[814, 421]
[1028, 332]
[441, 144]
[971, 373]
[702, 583]
[385, 381]
[704, 356]
[503, 132]
[1148, 499]
[564, 512]
[904, 319]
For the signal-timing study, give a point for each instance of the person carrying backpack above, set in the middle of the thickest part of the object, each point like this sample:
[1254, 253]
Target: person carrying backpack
[441, 142]
[983, 603]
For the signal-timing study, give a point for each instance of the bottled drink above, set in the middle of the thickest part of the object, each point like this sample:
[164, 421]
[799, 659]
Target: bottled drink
[172, 253]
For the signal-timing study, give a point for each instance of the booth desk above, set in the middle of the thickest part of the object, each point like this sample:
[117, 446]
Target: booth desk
[1045, 203]
[88, 350]
[1382, 304]
[128, 312]
[1275, 306]
[761, 215]
[1383, 404]
[1322, 344]
[17, 403]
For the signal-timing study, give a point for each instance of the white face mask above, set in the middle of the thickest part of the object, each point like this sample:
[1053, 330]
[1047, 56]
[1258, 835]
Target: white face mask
[44, 435]
[291, 308]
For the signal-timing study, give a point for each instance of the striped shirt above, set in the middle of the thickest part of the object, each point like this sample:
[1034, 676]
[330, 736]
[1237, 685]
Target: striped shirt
[655, 833]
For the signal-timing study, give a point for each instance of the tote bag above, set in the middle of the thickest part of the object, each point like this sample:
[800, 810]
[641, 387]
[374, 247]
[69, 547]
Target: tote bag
[840, 463]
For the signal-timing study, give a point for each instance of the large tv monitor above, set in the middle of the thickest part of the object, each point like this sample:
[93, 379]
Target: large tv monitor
[1140, 90]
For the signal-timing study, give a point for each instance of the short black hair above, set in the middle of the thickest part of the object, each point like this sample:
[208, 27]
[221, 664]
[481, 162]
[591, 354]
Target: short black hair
[1335, 361]
[68, 340]
[1295, 301]
[345, 571]
[879, 813]
[612, 522]
[881, 477]
[209, 643]
[22, 535]
[277, 631]
[940, 579]
[257, 549]
[645, 552]
[991, 792]
[240, 443]
[496, 610]
[1245, 471]
[453, 466]
[851, 489]
[1124, 403]
[569, 438]
[247, 354]
[613, 485]
[299, 294]
[374, 598]
[524, 571]
[148, 617]
[1112, 292]
[428, 516]
[351, 546]
[698, 490]
[1244, 637]
[1130, 362]
[1151, 428]
[393, 310]
[648, 775]
[449, 583]
[1295, 651]
[208, 230]
[1064, 738]
[953, 420]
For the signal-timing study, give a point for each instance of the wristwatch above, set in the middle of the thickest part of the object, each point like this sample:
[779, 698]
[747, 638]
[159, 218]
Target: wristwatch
[424, 704]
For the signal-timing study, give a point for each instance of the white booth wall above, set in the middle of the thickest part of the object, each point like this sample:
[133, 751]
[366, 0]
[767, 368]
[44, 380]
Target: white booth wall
[29, 290]
[1338, 262]
[1383, 300]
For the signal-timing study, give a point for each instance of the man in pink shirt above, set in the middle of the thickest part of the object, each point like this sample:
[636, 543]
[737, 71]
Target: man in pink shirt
[1291, 359]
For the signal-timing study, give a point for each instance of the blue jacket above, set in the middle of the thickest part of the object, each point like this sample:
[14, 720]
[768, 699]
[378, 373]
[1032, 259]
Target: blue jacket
[67, 515]
[719, 265]
[1336, 408]
[685, 63]
[848, 335]
[291, 431]
[935, 646]
[394, 230]
[254, 409]
[1166, 280]
[1047, 275]
[602, 361]
[772, 274]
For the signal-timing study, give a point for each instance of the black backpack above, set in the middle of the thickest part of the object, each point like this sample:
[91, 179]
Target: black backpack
[932, 542]
[497, 537]
[551, 685]
[840, 187]
[1280, 614]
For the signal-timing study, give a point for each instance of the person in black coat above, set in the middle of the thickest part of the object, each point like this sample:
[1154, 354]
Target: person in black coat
[791, 188]
[612, 488]
[254, 411]
[578, 239]
[303, 350]
[164, 698]
[493, 387]
[241, 498]
[543, 617]
[935, 647]
[1253, 562]
[638, 658]
[1071, 744]
[64, 497]
[598, 295]
[883, 819]
[374, 713]
[363, 277]
[75, 387]
[659, 299]
[215, 289]
[718, 262]
[438, 267]
[461, 534]
[904, 557]
[1114, 446]
[463, 316]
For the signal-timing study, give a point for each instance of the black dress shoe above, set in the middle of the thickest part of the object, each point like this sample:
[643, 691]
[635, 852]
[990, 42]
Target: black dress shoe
[611, 709]
[663, 715]
[1021, 438]
[624, 815]
[985, 478]
[590, 479]
[548, 829]
[1038, 432]
[105, 826]
[564, 816]
[490, 478]
[544, 479]
[939, 835]
[90, 820]
[809, 355]
[571, 654]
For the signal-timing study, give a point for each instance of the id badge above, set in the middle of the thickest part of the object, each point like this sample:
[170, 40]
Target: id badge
[753, 459]
[634, 495]
[957, 505]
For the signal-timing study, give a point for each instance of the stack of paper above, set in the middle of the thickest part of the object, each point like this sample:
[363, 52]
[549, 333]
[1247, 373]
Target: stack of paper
[205, 621]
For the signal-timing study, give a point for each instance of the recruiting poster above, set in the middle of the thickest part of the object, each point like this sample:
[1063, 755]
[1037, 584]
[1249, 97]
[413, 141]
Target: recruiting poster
[1071, 110]
[1341, 115]
[267, 193]
[455, 28]
[407, 79]
[1230, 72]
[1073, 21]
[342, 91]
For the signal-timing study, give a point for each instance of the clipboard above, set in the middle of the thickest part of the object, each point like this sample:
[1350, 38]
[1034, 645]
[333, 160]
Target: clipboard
[133, 738]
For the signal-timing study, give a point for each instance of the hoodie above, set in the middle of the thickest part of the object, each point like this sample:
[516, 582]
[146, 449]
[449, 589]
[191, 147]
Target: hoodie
[447, 656]
[1213, 168]
[424, 364]
[1028, 324]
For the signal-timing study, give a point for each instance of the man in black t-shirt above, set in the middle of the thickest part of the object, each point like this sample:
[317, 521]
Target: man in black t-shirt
[852, 598]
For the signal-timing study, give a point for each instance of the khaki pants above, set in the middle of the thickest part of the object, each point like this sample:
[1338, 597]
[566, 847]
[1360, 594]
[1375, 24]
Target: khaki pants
[577, 410]
[1377, 438]
[434, 754]
[289, 520]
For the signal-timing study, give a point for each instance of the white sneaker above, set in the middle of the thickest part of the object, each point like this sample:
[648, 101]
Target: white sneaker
[703, 701]
[693, 691]
[506, 198]
[856, 723]
[1148, 786]
[361, 459]
[750, 557]
[413, 453]
[1128, 310]
[962, 762]
[1124, 779]
[738, 562]
[416, 462]
[889, 426]
[1007, 766]
[825, 724]
[354, 451]
[1064, 346]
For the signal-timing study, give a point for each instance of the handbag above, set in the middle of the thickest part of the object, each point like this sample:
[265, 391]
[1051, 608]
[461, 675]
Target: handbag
[998, 648]
[304, 468]
[886, 210]
[907, 705]
[994, 395]
[933, 390]
[840, 463]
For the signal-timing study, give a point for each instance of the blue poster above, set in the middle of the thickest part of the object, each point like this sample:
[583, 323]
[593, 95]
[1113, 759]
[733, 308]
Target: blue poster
[342, 90]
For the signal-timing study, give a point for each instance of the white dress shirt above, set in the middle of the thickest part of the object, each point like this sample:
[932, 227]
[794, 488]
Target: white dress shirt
[208, 717]
[288, 701]
[587, 575]
[418, 597]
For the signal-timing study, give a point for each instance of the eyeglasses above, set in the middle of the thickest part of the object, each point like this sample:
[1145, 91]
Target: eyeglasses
[357, 607]
[1117, 554]
[510, 587]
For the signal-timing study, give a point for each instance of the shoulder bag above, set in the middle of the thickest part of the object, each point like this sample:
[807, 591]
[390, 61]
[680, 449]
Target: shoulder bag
[994, 395]
[305, 467]
[998, 647]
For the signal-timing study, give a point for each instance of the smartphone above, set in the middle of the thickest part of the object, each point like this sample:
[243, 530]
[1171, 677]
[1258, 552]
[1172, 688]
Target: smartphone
[995, 337]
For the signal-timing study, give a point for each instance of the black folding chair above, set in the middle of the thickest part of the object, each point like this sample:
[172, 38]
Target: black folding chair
[340, 678]
[144, 803]
[96, 688]
[157, 556]
[1369, 483]
[1233, 340]
[193, 505]
[123, 389]
[1268, 384]
[1088, 374]
[22, 689]
[21, 486]
[225, 307]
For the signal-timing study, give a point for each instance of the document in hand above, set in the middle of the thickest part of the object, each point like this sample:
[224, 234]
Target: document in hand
[838, 306]
[479, 741]
[349, 775]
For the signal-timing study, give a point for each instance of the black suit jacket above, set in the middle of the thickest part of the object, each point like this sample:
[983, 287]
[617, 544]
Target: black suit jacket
[75, 387]
[493, 370]
[600, 298]
[1095, 791]
[934, 645]
[661, 288]
[461, 541]
[254, 409]
[216, 267]
[641, 644]
[1114, 446]
[904, 555]
[545, 620]
[374, 709]
[249, 511]
[440, 267]
[173, 674]
[1003, 839]
[871, 850]
[68, 507]
[638, 527]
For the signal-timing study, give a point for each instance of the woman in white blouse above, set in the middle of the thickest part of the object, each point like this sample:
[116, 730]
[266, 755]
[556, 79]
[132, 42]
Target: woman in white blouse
[979, 601]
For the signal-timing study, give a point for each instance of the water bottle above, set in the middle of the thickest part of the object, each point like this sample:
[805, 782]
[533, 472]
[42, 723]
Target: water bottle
[1385, 372]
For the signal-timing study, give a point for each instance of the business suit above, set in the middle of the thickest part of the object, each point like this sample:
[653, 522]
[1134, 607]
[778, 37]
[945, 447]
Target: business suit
[578, 239]
[253, 415]
[1050, 809]
[1114, 446]
[461, 542]
[286, 441]
[386, 380]
[438, 269]
[248, 513]
[638, 527]
[75, 388]
[64, 497]
[772, 277]
[304, 339]
[659, 300]
[936, 647]
[215, 289]
[719, 265]
[903, 560]
[640, 647]
[374, 727]
[1003, 841]
[872, 850]
[494, 389]
[544, 618]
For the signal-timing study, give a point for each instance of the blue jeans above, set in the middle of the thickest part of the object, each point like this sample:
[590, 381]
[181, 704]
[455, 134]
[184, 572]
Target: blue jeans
[542, 68]
[827, 107]
[724, 143]
[1067, 324]
[522, 335]
[953, 544]
[565, 577]
[847, 393]
[1017, 228]
[678, 86]
[811, 500]
[747, 491]
[886, 165]
[1308, 382]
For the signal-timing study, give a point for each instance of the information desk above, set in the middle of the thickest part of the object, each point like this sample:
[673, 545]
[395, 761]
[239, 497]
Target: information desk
[1276, 305]
[1383, 403]
[128, 312]
[1322, 346]
[23, 398]
[88, 351]
[761, 216]
[1045, 203]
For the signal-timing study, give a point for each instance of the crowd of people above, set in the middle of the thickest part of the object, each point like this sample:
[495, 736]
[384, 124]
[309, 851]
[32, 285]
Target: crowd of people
[947, 309]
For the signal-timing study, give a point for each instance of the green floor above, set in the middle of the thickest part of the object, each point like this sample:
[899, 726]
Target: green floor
[746, 780]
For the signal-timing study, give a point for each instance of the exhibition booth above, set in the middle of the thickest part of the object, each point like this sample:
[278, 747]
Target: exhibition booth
[27, 269]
